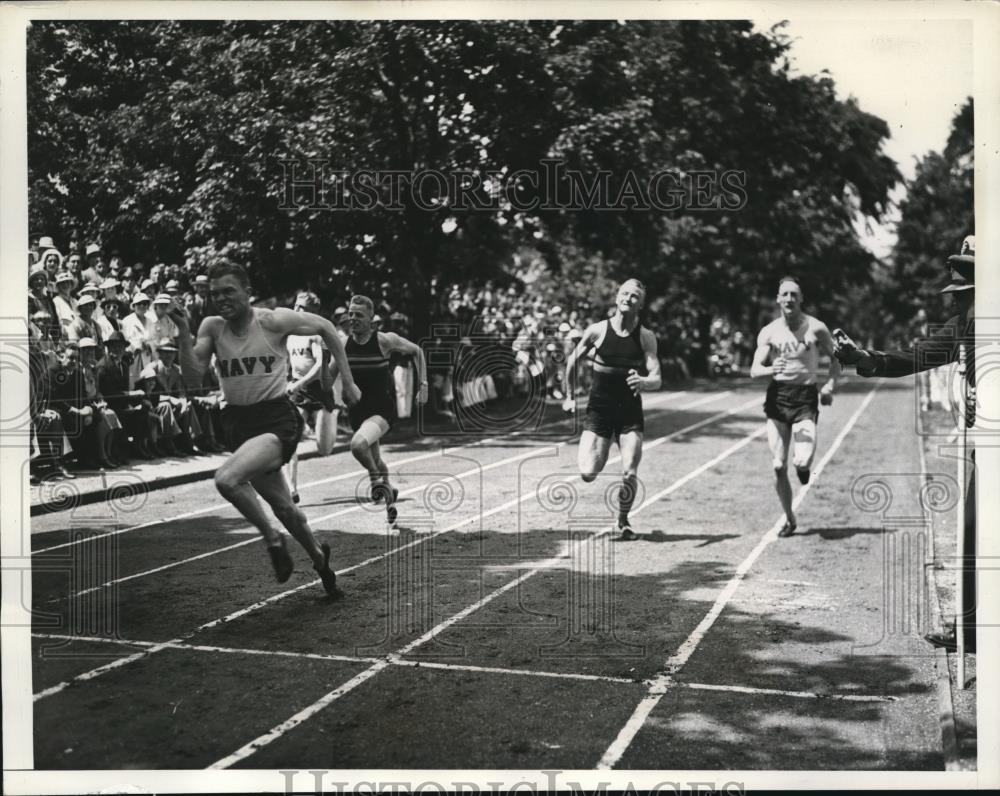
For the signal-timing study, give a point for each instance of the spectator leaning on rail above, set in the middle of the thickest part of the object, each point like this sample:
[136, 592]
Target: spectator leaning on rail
[934, 350]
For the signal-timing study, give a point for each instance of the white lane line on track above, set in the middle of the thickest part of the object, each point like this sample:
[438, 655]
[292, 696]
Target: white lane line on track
[394, 660]
[351, 509]
[742, 689]
[277, 732]
[662, 683]
[659, 398]
[101, 670]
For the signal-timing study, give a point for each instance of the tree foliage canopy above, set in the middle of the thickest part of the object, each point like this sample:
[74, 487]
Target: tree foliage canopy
[165, 140]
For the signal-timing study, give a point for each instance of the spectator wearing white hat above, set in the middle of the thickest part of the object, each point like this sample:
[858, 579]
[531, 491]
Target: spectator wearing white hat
[48, 255]
[75, 395]
[159, 326]
[164, 386]
[85, 325]
[136, 331]
[111, 288]
[90, 289]
[107, 425]
[203, 305]
[63, 300]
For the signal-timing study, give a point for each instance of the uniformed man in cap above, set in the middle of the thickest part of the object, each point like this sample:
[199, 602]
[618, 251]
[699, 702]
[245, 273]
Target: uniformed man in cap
[932, 351]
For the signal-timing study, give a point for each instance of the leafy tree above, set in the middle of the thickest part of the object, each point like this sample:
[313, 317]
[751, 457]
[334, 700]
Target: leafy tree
[937, 213]
[172, 139]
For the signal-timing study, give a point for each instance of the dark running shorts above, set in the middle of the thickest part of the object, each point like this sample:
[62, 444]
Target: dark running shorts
[309, 397]
[613, 409]
[790, 403]
[278, 416]
[383, 406]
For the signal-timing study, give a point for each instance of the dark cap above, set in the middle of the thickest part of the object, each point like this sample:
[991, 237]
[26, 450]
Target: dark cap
[115, 337]
[963, 267]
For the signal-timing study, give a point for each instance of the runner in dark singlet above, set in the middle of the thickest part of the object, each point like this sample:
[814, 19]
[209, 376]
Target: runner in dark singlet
[624, 350]
[368, 353]
[261, 424]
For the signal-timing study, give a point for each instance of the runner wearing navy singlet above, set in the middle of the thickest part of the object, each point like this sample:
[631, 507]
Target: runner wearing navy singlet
[308, 366]
[788, 351]
[261, 425]
[368, 352]
[625, 365]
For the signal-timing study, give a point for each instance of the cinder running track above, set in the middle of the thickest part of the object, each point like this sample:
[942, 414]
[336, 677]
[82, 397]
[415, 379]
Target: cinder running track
[504, 628]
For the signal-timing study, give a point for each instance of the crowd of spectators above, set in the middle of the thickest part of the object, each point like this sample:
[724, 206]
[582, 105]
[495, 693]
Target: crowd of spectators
[106, 386]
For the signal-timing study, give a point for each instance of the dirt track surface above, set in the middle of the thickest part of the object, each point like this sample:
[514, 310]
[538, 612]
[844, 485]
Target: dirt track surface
[505, 627]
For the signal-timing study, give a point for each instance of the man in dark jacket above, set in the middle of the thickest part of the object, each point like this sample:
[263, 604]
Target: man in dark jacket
[68, 396]
[131, 406]
[941, 348]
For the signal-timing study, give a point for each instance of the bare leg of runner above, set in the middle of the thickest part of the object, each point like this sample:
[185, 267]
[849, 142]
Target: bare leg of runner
[271, 486]
[326, 431]
[365, 447]
[290, 472]
[253, 457]
[233, 480]
[592, 454]
[630, 445]
[803, 448]
[778, 438]
[274, 490]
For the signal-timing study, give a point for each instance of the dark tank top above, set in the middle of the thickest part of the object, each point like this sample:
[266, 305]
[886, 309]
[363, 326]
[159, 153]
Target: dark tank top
[621, 352]
[370, 368]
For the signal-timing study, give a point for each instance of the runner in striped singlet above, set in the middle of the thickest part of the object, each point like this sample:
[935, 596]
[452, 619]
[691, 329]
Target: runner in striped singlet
[261, 425]
[371, 417]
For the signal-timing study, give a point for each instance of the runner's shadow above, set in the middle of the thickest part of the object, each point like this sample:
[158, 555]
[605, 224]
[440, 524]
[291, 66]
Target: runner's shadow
[836, 534]
[660, 537]
[348, 500]
[706, 538]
